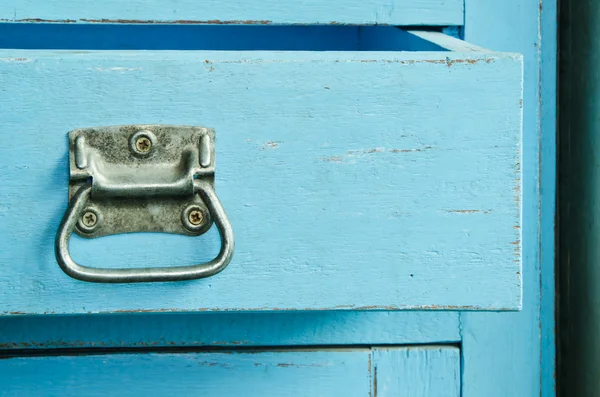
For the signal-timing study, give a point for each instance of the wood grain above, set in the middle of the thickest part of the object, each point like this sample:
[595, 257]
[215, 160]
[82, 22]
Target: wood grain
[398, 12]
[352, 180]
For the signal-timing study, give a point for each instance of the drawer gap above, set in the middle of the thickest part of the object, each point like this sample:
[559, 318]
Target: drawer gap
[98, 351]
[214, 37]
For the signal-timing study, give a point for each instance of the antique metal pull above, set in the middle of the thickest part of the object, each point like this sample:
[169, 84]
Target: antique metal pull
[142, 178]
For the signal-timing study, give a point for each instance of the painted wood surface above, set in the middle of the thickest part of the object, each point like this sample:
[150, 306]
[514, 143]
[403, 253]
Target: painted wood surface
[398, 12]
[512, 354]
[228, 329]
[420, 372]
[435, 369]
[349, 180]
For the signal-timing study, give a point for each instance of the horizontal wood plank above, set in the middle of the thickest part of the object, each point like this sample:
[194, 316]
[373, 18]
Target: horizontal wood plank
[404, 371]
[399, 12]
[227, 329]
[314, 373]
[357, 181]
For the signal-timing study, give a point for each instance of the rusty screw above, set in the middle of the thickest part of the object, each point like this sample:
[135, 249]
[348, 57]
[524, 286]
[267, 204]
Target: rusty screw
[196, 217]
[89, 219]
[143, 144]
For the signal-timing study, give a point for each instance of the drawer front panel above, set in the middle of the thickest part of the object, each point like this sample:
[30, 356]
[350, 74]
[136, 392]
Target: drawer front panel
[352, 180]
[398, 12]
[407, 371]
[225, 329]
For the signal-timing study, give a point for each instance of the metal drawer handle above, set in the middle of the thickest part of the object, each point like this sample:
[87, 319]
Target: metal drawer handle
[178, 273]
[178, 180]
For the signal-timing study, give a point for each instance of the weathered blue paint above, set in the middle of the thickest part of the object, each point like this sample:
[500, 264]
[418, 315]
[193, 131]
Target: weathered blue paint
[423, 372]
[512, 354]
[397, 371]
[349, 180]
[397, 12]
[228, 329]
[505, 354]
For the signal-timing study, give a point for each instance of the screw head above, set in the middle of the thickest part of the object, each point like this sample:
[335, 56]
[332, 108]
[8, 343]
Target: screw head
[196, 217]
[89, 220]
[142, 143]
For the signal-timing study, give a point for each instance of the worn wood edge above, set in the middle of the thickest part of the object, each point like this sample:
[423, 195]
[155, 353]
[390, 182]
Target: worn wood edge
[403, 57]
[381, 12]
[392, 308]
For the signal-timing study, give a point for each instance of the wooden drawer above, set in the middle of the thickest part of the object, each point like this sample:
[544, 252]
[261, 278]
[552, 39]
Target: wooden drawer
[356, 179]
[406, 371]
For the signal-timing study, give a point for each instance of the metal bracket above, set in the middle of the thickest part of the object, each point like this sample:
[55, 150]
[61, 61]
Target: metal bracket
[142, 178]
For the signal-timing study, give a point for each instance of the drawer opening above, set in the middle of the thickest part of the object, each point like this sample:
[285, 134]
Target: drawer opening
[211, 37]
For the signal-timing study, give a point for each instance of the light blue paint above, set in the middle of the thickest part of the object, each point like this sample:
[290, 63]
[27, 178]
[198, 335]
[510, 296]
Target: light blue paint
[424, 372]
[398, 12]
[403, 372]
[512, 354]
[502, 351]
[228, 329]
[349, 184]
[326, 373]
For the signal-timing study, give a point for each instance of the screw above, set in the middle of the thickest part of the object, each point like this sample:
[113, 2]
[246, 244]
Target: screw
[196, 217]
[143, 144]
[89, 219]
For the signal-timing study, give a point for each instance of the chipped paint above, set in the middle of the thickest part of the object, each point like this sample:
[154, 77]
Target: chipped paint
[468, 212]
[271, 145]
[24, 60]
[332, 159]
[115, 69]
[375, 381]
[363, 152]
[142, 22]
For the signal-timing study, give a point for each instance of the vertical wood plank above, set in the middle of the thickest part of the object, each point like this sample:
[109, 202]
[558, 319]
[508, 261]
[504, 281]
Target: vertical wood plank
[512, 354]
[416, 372]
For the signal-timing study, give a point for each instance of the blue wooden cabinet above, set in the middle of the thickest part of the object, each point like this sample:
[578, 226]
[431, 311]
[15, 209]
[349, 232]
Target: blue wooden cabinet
[381, 165]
